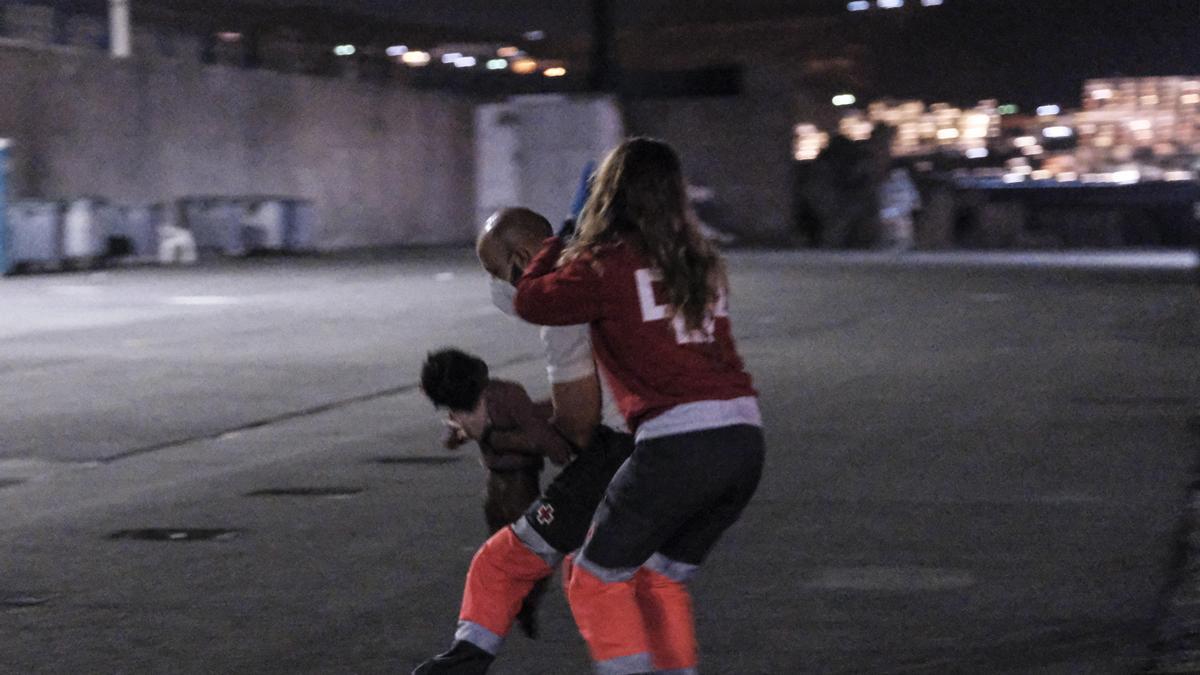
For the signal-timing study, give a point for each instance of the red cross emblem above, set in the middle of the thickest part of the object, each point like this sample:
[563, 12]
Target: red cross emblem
[545, 514]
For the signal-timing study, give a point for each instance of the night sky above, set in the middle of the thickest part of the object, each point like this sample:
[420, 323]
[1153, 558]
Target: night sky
[1029, 53]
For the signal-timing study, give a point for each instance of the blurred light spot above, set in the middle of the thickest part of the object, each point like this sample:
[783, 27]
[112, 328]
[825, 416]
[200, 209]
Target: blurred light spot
[1179, 175]
[229, 36]
[1041, 174]
[1102, 94]
[976, 153]
[1068, 177]
[557, 71]
[1149, 99]
[397, 50]
[464, 62]
[1048, 110]
[508, 52]
[1140, 125]
[1008, 109]
[1057, 132]
[535, 35]
[344, 50]
[451, 57]
[844, 99]
[931, 3]
[497, 64]
[1126, 176]
[1189, 99]
[524, 66]
[1024, 141]
[416, 58]
[947, 134]
[890, 4]
[858, 6]
[1013, 178]
[1032, 150]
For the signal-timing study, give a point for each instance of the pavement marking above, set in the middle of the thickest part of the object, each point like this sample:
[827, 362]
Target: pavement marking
[897, 579]
[74, 290]
[202, 300]
[332, 492]
[25, 469]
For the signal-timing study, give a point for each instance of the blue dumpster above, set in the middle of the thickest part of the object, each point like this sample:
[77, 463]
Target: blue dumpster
[131, 231]
[215, 223]
[299, 225]
[35, 233]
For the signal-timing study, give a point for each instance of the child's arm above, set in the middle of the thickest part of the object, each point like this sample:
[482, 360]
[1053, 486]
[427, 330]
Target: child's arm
[519, 427]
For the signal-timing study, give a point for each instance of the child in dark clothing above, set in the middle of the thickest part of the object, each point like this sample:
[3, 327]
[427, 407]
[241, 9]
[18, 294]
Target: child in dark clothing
[514, 436]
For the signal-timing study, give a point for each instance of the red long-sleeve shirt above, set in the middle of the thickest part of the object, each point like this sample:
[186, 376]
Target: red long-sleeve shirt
[651, 362]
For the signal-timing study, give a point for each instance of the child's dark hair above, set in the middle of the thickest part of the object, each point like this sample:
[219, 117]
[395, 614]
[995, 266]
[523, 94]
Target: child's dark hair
[454, 379]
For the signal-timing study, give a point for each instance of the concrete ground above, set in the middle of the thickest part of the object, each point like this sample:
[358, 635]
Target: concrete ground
[975, 465]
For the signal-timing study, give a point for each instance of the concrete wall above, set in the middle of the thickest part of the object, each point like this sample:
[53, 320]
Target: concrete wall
[384, 165]
[740, 147]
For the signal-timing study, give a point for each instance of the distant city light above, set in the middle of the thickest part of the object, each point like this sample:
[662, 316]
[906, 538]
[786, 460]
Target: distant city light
[497, 64]
[1190, 99]
[416, 58]
[397, 50]
[1149, 100]
[1067, 177]
[557, 71]
[948, 134]
[1126, 177]
[1102, 94]
[858, 6]
[1024, 141]
[508, 52]
[1013, 178]
[976, 153]
[535, 35]
[1031, 150]
[524, 66]
[344, 50]
[1173, 176]
[1041, 174]
[451, 57]
[844, 100]
[931, 3]
[1140, 125]
[1008, 109]
[1048, 110]
[890, 4]
[1058, 132]
[229, 36]
[464, 62]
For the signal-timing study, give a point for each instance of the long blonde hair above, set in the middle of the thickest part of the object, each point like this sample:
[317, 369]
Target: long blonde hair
[638, 195]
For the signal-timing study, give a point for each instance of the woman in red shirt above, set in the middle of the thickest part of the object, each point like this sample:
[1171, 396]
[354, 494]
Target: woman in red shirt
[655, 295]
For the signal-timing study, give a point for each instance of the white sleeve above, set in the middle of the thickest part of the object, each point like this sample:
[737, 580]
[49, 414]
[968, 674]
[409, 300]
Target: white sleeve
[502, 294]
[568, 353]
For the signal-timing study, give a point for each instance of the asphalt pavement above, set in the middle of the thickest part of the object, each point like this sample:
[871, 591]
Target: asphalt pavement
[976, 464]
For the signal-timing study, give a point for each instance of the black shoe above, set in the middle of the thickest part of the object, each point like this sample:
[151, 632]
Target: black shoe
[463, 658]
[527, 618]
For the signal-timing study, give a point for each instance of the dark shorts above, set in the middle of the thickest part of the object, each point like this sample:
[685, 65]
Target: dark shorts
[564, 513]
[675, 497]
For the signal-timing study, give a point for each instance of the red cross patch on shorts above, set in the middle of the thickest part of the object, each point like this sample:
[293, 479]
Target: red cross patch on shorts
[545, 514]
